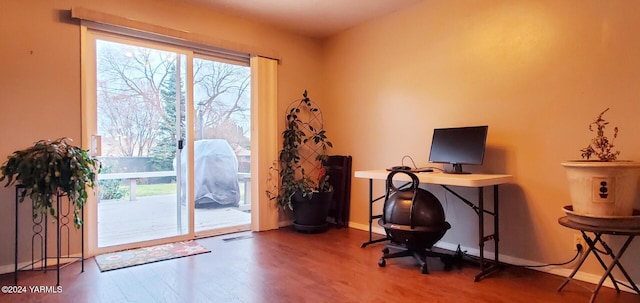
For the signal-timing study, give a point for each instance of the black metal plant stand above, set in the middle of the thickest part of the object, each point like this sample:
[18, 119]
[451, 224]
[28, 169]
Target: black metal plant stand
[615, 257]
[40, 236]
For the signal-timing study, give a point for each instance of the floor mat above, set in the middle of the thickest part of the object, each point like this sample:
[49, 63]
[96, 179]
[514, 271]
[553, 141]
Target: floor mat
[139, 256]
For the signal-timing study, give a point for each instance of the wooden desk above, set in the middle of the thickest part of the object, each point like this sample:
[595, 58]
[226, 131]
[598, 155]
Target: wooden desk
[597, 239]
[479, 181]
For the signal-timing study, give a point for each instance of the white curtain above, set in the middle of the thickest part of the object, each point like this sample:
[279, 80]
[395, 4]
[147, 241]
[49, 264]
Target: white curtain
[264, 140]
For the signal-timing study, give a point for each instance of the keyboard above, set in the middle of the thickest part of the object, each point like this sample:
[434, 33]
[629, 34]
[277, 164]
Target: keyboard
[413, 170]
[421, 170]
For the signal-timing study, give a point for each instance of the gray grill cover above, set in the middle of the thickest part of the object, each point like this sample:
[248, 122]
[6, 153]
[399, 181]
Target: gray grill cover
[216, 174]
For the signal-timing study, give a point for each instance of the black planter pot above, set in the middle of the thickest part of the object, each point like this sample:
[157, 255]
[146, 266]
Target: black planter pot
[310, 215]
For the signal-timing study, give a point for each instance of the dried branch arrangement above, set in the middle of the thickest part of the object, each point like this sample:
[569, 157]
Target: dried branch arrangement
[601, 147]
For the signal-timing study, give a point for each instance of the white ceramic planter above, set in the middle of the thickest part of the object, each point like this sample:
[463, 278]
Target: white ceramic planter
[603, 188]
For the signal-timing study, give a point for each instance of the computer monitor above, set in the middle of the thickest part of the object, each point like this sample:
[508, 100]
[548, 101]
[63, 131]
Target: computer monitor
[458, 145]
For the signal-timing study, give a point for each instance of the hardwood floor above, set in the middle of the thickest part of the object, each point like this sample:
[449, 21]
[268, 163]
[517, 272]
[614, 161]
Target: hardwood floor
[286, 266]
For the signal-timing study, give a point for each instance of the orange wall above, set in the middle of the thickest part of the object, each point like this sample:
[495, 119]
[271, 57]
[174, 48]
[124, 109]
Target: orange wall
[40, 73]
[536, 72]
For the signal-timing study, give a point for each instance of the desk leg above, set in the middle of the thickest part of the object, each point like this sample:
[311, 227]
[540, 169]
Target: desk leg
[363, 245]
[371, 217]
[480, 211]
[496, 223]
[481, 231]
[486, 269]
[370, 209]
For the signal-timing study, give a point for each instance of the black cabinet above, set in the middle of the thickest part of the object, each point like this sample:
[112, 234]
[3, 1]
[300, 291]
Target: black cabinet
[339, 171]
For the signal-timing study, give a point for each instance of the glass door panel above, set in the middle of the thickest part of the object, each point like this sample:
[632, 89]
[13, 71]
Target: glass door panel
[222, 146]
[141, 122]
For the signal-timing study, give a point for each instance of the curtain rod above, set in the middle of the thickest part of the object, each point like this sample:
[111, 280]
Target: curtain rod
[110, 20]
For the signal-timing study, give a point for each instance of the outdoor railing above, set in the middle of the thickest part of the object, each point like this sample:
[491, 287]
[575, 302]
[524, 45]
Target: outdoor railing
[245, 178]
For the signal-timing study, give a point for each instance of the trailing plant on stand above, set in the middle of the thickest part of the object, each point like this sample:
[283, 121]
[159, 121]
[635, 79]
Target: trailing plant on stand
[304, 150]
[52, 168]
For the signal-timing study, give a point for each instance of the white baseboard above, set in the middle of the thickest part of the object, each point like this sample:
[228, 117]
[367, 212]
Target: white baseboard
[10, 268]
[375, 228]
[555, 270]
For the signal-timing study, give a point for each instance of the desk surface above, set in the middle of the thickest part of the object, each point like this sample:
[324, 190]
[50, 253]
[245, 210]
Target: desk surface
[467, 180]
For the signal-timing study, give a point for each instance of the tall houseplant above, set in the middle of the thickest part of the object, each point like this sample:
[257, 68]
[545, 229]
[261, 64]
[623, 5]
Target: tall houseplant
[302, 177]
[52, 168]
[604, 186]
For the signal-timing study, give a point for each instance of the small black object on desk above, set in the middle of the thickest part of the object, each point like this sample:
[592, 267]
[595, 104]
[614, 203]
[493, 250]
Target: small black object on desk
[401, 168]
[592, 242]
[409, 169]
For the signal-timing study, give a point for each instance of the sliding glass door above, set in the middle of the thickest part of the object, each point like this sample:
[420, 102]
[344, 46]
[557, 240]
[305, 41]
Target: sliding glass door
[171, 129]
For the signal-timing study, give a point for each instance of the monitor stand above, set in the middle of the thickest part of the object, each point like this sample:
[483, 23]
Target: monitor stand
[457, 169]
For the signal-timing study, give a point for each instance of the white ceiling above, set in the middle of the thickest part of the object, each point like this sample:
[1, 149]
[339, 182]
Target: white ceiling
[314, 18]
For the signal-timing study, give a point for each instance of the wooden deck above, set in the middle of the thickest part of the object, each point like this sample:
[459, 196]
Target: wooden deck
[146, 218]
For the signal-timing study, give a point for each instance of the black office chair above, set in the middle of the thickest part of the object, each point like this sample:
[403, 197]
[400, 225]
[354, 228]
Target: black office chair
[414, 221]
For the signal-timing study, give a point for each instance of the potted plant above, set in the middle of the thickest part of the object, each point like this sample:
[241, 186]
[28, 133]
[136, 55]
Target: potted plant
[304, 183]
[51, 169]
[604, 186]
